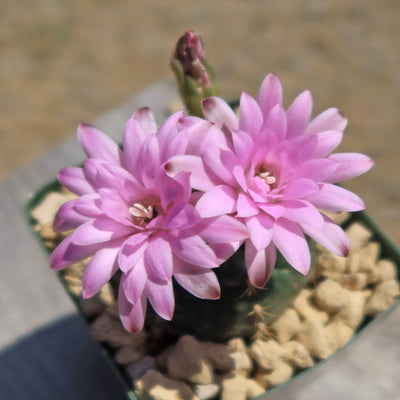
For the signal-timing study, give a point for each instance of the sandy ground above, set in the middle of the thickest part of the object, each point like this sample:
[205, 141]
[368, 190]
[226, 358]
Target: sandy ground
[67, 61]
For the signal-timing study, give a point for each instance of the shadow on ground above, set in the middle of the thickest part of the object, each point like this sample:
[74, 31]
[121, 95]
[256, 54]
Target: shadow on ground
[58, 362]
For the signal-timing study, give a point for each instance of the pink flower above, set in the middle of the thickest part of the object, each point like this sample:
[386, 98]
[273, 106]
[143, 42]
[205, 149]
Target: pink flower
[272, 169]
[131, 216]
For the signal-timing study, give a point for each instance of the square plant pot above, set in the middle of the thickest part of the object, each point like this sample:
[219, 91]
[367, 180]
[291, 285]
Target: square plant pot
[387, 251]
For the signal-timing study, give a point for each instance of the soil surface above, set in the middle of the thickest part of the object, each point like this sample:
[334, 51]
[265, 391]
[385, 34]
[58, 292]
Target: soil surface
[63, 62]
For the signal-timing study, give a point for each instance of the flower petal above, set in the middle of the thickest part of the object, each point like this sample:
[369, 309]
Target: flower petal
[300, 188]
[99, 231]
[201, 282]
[134, 282]
[327, 142]
[250, 117]
[245, 206]
[132, 316]
[181, 216]
[331, 119]
[217, 201]
[298, 114]
[218, 111]
[274, 127]
[74, 180]
[158, 259]
[223, 229]
[132, 251]
[335, 199]
[260, 229]
[350, 166]
[302, 212]
[269, 94]
[100, 269]
[194, 250]
[331, 236]
[148, 163]
[98, 145]
[290, 241]
[146, 120]
[260, 264]
[199, 178]
[161, 298]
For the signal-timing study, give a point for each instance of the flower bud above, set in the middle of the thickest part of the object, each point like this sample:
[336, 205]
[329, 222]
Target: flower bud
[194, 76]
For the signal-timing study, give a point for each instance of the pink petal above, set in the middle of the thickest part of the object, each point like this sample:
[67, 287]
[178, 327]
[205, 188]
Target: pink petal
[199, 178]
[331, 236]
[318, 169]
[223, 229]
[250, 117]
[216, 110]
[331, 119]
[169, 128]
[181, 217]
[132, 251]
[269, 94]
[201, 282]
[274, 127]
[99, 231]
[260, 229]
[302, 212]
[74, 180]
[99, 271]
[290, 241]
[146, 120]
[274, 210]
[260, 264]
[335, 199]
[350, 166]
[98, 145]
[224, 250]
[327, 142]
[88, 205]
[298, 114]
[148, 163]
[161, 298]
[67, 253]
[221, 162]
[158, 258]
[217, 201]
[194, 250]
[134, 136]
[134, 282]
[243, 145]
[68, 218]
[176, 189]
[240, 177]
[245, 206]
[114, 207]
[300, 188]
[132, 316]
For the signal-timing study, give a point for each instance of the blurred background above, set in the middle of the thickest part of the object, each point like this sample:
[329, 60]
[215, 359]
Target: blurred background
[67, 61]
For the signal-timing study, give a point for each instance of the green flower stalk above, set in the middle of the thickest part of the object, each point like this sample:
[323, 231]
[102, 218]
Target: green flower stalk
[194, 75]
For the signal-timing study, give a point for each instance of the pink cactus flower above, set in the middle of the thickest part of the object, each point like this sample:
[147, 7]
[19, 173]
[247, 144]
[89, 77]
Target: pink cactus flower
[130, 216]
[273, 169]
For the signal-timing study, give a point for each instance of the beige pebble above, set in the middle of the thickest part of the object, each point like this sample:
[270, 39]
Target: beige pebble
[254, 389]
[353, 261]
[330, 296]
[102, 327]
[281, 373]
[187, 361]
[352, 314]
[44, 213]
[218, 355]
[337, 334]
[330, 264]
[313, 337]
[386, 270]
[127, 354]
[358, 234]
[382, 298]
[206, 392]
[234, 388]
[356, 281]
[242, 363]
[368, 257]
[286, 326]
[266, 354]
[303, 305]
[106, 294]
[297, 355]
[155, 386]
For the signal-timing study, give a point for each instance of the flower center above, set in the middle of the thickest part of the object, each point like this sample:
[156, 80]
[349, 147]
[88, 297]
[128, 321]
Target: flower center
[266, 175]
[142, 214]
